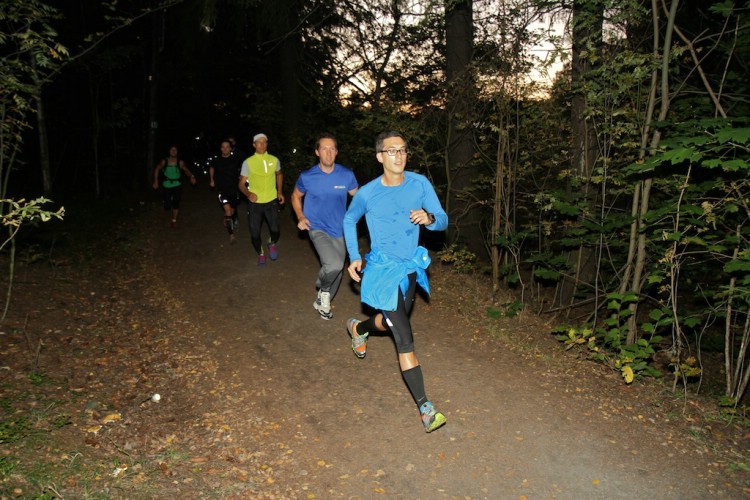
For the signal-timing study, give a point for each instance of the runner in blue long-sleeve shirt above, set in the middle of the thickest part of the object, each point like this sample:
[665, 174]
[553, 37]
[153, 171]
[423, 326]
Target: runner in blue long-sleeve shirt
[395, 205]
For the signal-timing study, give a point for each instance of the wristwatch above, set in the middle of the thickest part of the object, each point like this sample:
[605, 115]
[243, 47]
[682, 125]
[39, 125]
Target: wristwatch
[431, 216]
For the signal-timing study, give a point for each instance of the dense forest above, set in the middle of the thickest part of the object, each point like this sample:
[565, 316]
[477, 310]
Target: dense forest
[592, 154]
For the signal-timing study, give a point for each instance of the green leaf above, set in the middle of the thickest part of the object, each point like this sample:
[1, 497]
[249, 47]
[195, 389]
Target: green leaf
[655, 314]
[740, 135]
[567, 209]
[734, 165]
[680, 155]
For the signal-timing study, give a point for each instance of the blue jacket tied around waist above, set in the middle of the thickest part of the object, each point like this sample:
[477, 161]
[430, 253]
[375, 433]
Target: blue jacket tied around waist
[382, 275]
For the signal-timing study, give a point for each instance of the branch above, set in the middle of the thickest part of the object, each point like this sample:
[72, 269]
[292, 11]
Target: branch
[697, 62]
[166, 5]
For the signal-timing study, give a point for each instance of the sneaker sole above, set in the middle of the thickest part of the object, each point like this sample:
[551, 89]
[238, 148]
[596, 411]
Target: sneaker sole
[322, 312]
[437, 423]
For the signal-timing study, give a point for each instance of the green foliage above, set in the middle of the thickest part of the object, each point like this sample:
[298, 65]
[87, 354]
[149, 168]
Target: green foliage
[699, 225]
[14, 428]
[461, 259]
[549, 266]
[37, 378]
[508, 310]
[29, 44]
[607, 344]
[14, 213]
[7, 465]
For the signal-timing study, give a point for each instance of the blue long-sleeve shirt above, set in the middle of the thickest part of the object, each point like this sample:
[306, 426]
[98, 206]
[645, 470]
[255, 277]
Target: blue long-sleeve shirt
[394, 239]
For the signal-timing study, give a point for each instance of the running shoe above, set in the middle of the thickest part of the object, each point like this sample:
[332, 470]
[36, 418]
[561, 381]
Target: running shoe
[431, 418]
[261, 260]
[273, 252]
[359, 342]
[323, 305]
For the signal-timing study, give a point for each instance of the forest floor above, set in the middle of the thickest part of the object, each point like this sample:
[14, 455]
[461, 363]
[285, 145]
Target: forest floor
[261, 398]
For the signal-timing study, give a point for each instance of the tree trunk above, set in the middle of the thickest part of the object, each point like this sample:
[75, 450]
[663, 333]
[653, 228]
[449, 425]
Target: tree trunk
[289, 69]
[588, 20]
[639, 231]
[41, 121]
[95, 131]
[157, 46]
[463, 210]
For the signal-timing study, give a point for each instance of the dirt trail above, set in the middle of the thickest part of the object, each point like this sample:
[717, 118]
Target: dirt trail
[304, 418]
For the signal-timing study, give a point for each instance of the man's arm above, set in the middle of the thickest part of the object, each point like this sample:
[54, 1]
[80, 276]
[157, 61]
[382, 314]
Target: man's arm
[351, 217]
[280, 186]
[184, 168]
[437, 219]
[302, 222]
[252, 197]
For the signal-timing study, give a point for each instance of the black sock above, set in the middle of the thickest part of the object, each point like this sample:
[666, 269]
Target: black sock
[415, 383]
[367, 326]
[228, 224]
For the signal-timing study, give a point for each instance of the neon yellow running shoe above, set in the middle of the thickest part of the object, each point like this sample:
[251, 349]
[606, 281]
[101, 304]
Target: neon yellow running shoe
[431, 418]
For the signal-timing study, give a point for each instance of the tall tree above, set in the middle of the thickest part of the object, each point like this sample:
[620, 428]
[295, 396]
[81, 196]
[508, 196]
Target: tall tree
[287, 41]
[461, 172]
[587, 47]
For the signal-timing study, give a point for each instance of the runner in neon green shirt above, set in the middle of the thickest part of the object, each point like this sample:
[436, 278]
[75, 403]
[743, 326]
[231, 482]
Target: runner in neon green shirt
[261, 181]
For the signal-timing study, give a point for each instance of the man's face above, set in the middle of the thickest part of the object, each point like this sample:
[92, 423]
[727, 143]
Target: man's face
[226, 148]
[173, 152]
[397, 163]
[261, 145]
[327, 152]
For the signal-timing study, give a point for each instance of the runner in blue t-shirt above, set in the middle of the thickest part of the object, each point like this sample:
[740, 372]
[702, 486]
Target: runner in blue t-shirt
[396, 205]
[326, 188]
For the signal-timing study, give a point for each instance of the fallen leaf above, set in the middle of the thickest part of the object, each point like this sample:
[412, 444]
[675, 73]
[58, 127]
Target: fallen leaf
[627, 374]
[111, 418]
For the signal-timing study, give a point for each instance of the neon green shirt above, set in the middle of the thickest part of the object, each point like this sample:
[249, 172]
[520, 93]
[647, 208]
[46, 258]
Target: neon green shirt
[260, 171]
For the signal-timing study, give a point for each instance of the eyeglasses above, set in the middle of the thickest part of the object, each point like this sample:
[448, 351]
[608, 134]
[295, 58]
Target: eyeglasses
[395, 152]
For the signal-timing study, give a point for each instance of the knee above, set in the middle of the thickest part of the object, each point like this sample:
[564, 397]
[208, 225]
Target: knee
[407, 360]
[332, 268]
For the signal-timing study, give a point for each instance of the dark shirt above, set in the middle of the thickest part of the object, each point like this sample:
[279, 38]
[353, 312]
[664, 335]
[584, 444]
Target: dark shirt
[227, 171]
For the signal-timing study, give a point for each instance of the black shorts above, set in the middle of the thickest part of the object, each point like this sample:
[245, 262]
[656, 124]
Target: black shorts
[398, 320]
[229, 196]
[172, 197]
